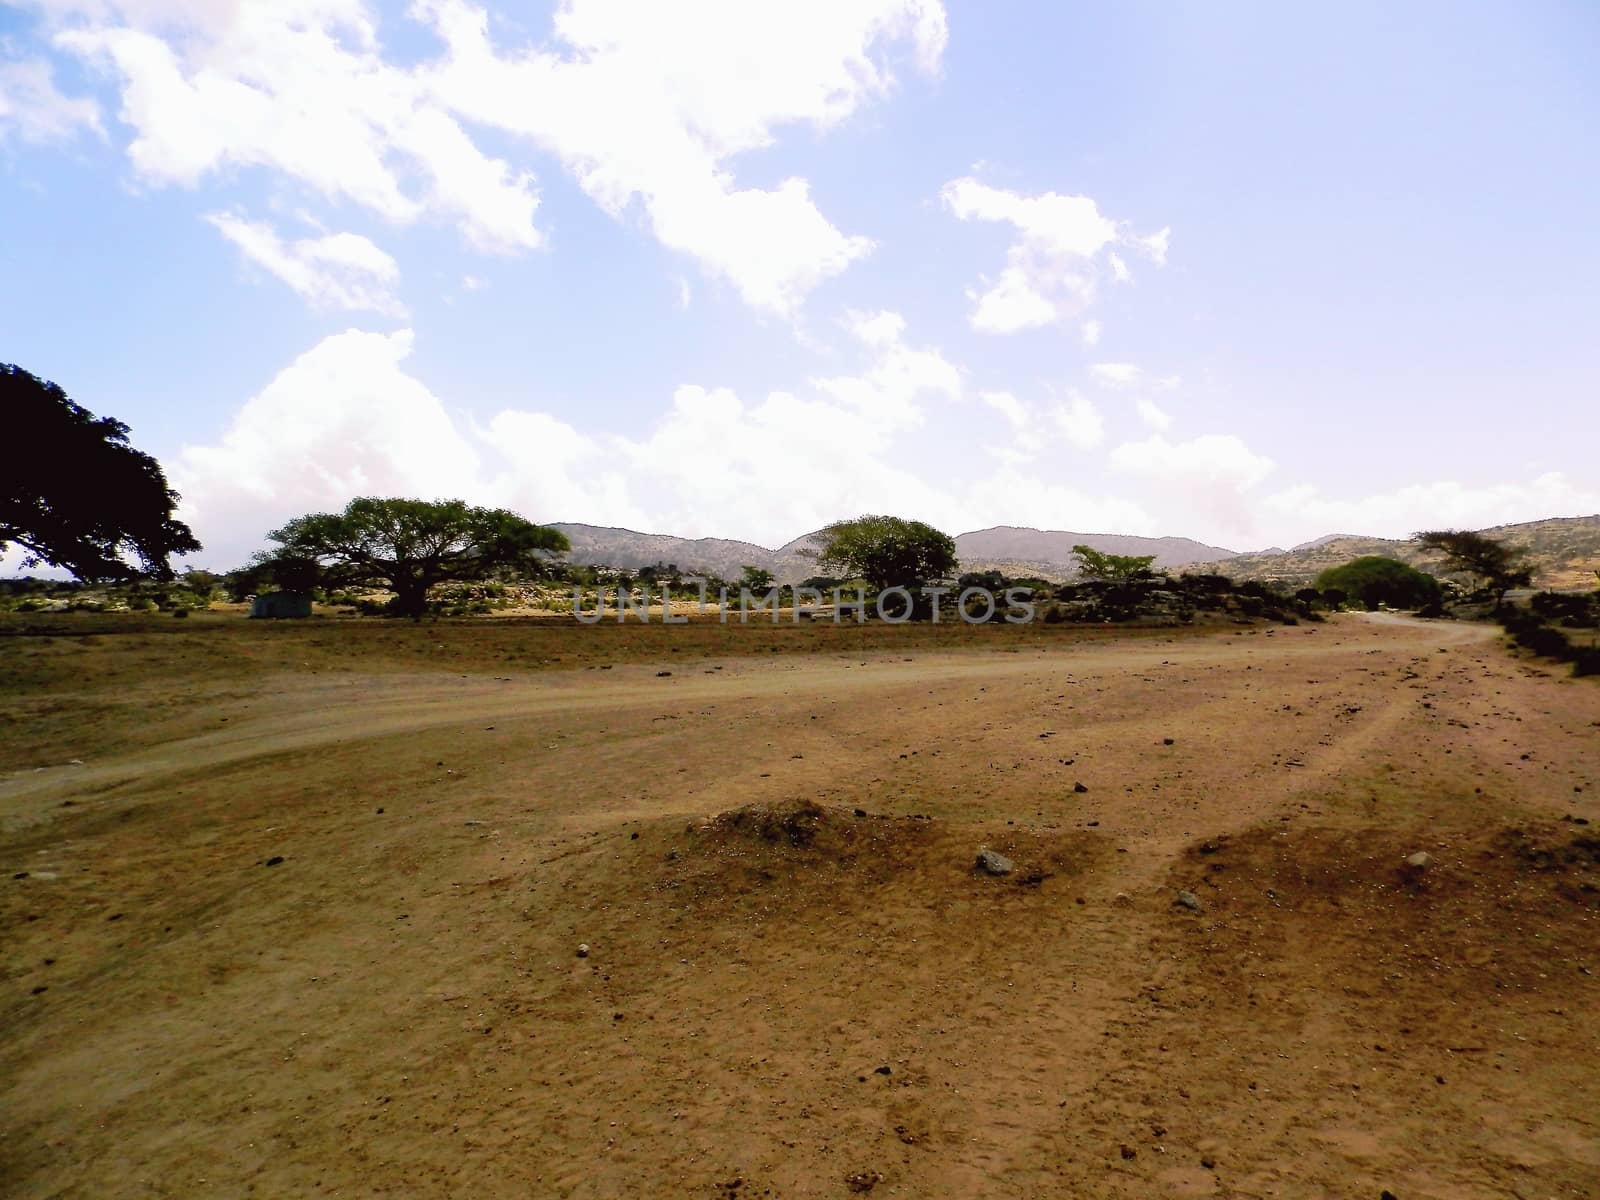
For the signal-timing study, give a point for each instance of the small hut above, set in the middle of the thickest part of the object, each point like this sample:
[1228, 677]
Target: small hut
[281, 604]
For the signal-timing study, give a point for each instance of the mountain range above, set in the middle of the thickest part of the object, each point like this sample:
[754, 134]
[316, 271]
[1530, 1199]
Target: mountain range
[1013, 550]
[1564, 552]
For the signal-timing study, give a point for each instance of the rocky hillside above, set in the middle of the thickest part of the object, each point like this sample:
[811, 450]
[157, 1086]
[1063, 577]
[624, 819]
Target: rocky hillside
[1007, 548]
[1563, 551]
[602, 546]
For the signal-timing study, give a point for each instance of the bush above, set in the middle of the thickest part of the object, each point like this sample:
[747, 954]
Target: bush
[1586, 661]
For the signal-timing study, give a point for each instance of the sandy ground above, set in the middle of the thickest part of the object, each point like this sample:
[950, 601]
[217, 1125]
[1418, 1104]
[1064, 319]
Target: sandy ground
[312, 930]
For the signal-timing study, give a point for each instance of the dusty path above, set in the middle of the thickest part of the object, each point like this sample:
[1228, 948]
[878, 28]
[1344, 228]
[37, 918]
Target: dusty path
[396, 1005]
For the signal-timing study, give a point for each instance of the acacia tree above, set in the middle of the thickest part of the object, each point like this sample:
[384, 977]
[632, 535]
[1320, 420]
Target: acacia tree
[75, 494]
[1375, 579]
[1117, 568]
[885, 551]
[1469, 553]
[410, 545]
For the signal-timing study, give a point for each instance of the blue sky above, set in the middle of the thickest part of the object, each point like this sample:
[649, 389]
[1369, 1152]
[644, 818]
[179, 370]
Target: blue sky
[1245, 273]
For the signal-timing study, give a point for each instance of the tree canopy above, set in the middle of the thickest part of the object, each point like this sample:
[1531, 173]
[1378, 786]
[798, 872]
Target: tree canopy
[1469, 553]
[1093, 564]
[1373, 580]
[75, 494]
[410, 545]
[885, 551]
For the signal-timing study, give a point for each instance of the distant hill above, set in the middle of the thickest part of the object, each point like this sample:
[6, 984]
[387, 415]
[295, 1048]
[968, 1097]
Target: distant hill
[1052, 548]
[1563, 551]
[1007, 548]
[597, 545]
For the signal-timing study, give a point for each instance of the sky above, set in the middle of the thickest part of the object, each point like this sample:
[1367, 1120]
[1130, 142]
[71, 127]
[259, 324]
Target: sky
[1246, 273]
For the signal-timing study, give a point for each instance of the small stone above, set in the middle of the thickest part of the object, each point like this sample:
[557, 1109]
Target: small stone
[883, 1070]
[1189, 901]
[1168, 741]
[274, 860]
[863, 1181]
[1421, 860]
[583, 949]
[1209, 1164]
[662, 674]
[1079, 788]
[1128, 1152]
[992, 862]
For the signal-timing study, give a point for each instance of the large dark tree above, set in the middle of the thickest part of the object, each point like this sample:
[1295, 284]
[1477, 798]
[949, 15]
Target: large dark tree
[1500, 567]
[408, 546]
[73, 492]
[885, 551]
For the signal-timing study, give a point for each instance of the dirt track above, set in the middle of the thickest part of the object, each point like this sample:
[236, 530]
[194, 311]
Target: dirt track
[397, 1006]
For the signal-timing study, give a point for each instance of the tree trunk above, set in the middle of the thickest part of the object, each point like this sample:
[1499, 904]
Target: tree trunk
[410, 598]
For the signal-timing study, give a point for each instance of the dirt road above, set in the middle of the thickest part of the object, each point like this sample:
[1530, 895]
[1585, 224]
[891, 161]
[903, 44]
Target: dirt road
[320, 937]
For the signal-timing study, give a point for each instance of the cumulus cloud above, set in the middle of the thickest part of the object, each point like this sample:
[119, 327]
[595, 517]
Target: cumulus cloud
[33, 108]
[299, 88]
[1053, 267]
[337, 271]
[1079, 421]
[1128, 376]
[1205, 479]
[344, 419]
[648, 103]
[1152, 414]
[1441, 504]
[645, 104]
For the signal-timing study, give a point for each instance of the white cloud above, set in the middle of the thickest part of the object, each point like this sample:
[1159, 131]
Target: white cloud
[648, 103]
[31, 105]
[1205, 479]
[1079, 421]
[1009, 407]
[345, 419]
[1128, 376]
[1091, 333]
[1052, 269]
[338, 271]
[1117, 375]
[300, 88]
[1152, 414]
[342, 420]
[642, 102]
[1442, 504]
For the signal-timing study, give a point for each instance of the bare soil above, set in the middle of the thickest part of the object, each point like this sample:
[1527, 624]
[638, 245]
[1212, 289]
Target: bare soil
[305, 917]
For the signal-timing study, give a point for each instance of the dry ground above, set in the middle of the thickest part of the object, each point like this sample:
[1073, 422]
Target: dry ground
[304, 920]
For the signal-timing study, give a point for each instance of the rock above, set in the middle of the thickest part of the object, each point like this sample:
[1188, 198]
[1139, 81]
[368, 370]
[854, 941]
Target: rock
[1421, 860]
[1079, 788]
[583, 949]
[274, 860]
[863, 1181]
[1128, 1151]
[1188, 900]
[992, 862]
